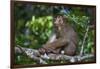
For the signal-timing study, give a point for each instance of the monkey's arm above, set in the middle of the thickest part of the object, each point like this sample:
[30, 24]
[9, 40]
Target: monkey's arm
[52, 38]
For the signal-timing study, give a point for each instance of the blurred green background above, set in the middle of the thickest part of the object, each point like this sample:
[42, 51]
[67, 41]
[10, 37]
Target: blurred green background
[33, 26]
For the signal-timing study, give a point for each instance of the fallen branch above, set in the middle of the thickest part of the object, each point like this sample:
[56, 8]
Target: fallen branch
[36, 56]
[31, 53]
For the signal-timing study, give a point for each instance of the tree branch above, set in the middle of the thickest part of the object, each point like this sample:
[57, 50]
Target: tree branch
[39, 58]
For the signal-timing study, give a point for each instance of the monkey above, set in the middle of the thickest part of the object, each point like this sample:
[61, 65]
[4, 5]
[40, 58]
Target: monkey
[64, 41]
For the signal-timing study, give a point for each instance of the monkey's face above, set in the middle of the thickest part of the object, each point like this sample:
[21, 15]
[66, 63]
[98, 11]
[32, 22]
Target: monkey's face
[58, 21]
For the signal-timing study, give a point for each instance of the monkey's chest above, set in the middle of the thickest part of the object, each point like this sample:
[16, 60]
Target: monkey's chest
[65, 32]
[60, 32]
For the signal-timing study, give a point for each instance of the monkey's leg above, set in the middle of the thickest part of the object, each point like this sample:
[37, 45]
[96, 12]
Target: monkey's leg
[56, 44]
[70, 49]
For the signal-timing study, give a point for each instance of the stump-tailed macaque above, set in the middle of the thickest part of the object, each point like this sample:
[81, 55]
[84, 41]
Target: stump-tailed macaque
[63, 41]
